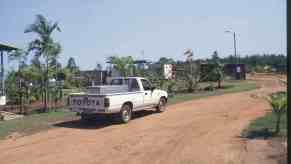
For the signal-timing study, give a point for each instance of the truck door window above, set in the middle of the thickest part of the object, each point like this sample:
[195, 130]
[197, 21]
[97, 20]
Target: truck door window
[146, 84]
[133, 85]
[119, 82]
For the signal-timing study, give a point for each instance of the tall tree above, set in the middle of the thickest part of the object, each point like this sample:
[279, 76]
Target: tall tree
[71, 65]
[164, 60]
[44, 45]
[215, 57]
[122, 64]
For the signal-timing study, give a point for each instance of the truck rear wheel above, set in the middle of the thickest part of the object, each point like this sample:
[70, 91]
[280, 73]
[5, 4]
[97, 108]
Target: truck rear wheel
[162, 105]
[125, 113]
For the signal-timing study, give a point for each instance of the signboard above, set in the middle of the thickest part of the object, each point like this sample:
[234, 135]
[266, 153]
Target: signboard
[238, 69]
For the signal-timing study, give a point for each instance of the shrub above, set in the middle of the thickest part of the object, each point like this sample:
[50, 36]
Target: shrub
[278, 101]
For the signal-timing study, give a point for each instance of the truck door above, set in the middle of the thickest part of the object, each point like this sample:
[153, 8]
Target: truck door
[137, 98]
[148, 96]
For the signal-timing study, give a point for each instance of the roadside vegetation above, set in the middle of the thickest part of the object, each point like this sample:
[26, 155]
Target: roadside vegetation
[229, 87]
[264, 127]
[274, 123]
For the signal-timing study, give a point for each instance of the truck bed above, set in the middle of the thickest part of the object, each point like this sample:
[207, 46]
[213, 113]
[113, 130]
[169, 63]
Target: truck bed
[107, 89]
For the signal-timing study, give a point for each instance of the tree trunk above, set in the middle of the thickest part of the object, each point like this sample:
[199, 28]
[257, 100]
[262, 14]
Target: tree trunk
[46, 88]
[219, 84]
[21, 104]
[278, 124]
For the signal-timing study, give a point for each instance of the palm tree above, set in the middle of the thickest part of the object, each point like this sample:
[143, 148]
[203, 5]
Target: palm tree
[278, 101]
[44, 46]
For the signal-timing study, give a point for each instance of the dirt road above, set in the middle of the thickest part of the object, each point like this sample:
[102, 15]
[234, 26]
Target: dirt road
[201, 131]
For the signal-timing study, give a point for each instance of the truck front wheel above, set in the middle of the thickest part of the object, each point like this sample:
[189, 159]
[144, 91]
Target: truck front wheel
[162, 105]
[125, 113]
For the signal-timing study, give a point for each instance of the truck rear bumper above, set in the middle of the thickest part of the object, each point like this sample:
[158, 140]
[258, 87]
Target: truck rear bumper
[94, 111]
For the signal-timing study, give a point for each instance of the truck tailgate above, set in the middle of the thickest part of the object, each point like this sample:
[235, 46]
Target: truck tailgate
[86, 103]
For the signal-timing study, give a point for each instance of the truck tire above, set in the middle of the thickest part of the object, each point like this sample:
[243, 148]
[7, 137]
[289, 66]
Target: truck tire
[162, 105]
[125, 113]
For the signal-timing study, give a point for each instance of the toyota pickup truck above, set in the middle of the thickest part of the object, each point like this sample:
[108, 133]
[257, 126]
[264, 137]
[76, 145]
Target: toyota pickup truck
[122, 97]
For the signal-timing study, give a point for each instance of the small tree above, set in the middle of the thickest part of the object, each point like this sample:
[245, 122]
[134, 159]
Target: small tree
[190, 73]
[278, 101]
[218, 74]
[44, 46]
[217, 71]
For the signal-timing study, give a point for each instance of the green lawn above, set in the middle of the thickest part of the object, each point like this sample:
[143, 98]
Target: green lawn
[229, 87]
[41, 121]
[258, 127]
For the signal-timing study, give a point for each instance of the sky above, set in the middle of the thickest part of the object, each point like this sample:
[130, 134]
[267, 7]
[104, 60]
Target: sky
[93, 30]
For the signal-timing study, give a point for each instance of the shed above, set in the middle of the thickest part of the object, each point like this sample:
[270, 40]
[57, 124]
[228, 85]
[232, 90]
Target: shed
[235, 71]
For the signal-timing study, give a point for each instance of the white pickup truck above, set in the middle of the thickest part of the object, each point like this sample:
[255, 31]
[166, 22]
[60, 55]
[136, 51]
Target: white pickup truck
[122, 96]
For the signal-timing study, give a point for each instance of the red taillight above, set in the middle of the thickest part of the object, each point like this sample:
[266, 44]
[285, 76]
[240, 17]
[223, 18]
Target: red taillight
[106, 102]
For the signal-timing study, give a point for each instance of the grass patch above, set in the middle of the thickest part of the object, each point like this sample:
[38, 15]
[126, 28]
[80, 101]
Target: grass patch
[228, 87]
[32, 123]
[264, 127]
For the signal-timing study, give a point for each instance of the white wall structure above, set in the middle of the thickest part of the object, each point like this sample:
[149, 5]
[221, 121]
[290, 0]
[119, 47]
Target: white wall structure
[2, 100]
[168, 71]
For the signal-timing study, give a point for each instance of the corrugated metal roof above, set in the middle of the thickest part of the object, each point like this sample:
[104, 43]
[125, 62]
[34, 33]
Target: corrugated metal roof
[5, 47]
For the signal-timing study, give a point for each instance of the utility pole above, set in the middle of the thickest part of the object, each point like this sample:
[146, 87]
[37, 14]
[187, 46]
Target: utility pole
[234, 46]
[189, 58]
[2, 75]
[237, 66]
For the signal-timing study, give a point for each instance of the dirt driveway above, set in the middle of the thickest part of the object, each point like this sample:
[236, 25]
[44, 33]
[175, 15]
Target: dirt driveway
[201, 131]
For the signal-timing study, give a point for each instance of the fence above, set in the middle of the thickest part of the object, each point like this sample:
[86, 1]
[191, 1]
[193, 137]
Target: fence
[33, 108]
